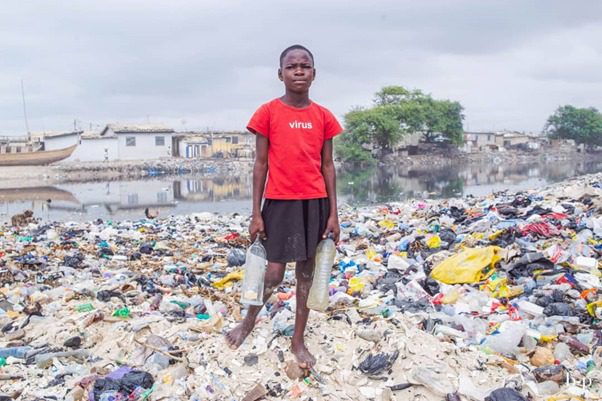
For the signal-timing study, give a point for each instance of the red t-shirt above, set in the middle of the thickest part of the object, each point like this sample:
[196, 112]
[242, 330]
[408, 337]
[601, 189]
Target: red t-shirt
[296, 136]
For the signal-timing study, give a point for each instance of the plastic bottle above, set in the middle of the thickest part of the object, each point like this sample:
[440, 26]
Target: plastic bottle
[318, 293]
[530, 308]
[562, 351]
[43, 361]
[15, 352]
[252, 284]
[506, 342]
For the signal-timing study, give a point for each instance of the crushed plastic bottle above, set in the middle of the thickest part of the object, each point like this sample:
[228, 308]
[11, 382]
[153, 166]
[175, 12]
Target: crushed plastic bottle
[318, 293]
[253, 282]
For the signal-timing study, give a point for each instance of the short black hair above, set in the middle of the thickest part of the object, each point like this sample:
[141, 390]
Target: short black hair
[295, 47]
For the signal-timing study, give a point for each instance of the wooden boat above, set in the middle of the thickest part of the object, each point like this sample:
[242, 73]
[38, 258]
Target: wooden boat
[36, 157]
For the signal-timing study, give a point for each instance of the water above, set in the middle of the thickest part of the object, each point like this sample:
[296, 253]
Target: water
[395, 183]
[229, 194]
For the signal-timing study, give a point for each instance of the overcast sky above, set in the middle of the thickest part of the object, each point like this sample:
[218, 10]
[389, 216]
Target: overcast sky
[198, 64]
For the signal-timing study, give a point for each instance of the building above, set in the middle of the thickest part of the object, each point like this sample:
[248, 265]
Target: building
[193, 146]
[500, 141]
[141, 142]
[408, 144]
[519, 140]
[93, 147]
[479, 141]
[56, 140]
[126, 142]
[230, 144]
[216, 144]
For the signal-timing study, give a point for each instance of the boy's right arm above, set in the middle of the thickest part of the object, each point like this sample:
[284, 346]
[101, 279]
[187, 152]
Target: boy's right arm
[260, 170]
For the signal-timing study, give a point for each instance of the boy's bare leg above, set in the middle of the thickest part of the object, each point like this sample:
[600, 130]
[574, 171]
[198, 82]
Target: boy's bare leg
[273, 276]
[304, 272]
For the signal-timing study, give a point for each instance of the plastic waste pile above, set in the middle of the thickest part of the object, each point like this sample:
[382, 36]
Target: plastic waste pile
[493, 298]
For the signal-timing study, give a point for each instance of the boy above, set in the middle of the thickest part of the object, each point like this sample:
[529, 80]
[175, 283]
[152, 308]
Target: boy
[294, 152]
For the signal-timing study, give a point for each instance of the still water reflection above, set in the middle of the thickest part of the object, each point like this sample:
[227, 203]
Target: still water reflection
[383, 184]
[227, 194]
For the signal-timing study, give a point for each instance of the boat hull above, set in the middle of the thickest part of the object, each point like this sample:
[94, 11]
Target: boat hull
[40, 158]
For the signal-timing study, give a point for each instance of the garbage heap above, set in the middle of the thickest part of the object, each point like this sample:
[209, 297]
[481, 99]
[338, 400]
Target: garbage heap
[494, 298]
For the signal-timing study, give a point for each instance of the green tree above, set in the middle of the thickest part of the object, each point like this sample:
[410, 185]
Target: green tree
[396, 112]
[583, 125]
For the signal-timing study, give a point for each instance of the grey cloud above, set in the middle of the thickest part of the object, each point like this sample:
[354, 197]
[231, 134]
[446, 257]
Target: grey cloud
[213, 62]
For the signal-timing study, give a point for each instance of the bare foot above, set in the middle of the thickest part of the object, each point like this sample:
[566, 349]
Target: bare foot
[305, 359]
[237, 335]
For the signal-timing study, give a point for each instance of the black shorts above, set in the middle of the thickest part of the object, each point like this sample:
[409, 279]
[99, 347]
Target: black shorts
[294, 228]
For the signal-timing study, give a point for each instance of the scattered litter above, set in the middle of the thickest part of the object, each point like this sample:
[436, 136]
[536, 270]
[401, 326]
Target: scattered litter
[496, 298]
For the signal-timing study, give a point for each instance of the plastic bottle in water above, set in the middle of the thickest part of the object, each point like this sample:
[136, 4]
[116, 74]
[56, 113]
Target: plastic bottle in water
[318, 293]
[255, 265]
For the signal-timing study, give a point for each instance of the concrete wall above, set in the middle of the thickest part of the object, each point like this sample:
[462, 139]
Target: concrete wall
[145, 147]
[97, 149]
[60, 142]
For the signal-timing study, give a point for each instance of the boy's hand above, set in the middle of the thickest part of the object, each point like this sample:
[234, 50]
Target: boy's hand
[257, 228]
[332, 226]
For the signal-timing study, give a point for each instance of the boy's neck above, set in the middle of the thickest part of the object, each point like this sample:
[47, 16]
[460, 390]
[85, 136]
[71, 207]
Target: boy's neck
[296, 99]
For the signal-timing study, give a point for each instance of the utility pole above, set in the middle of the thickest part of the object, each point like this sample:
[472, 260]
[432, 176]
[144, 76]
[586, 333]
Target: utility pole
[24, 108]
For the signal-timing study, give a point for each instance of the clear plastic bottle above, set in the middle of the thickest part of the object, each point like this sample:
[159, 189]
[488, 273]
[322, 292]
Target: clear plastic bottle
[255, 265]
[318, 293]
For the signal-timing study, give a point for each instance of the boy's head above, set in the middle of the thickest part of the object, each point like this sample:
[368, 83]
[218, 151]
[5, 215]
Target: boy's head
[297, 68]
[295, 47]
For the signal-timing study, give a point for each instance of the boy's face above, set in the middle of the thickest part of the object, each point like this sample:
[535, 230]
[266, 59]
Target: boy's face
[297, 71]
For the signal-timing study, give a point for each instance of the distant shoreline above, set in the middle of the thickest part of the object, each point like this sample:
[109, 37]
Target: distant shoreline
[20, 176]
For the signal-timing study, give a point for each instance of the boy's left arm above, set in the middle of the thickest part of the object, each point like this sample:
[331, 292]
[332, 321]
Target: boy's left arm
[330, 178]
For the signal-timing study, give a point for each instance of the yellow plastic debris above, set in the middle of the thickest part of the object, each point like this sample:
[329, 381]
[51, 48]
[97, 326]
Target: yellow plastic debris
[544, 339]
[370, 253]
[356, 285]
[499, 288]
[471, 265]
[495, 235]
[388, 224]
[434, 242]
[229, 279]
[591, 307]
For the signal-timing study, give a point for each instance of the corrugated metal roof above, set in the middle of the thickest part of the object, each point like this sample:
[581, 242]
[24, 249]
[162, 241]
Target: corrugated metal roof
[137, 128]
